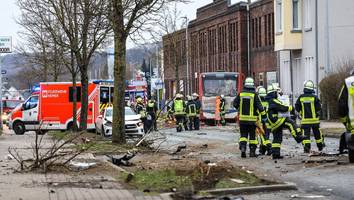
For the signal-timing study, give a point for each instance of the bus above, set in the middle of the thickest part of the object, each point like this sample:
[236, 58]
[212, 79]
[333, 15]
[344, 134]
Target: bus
[213, 84]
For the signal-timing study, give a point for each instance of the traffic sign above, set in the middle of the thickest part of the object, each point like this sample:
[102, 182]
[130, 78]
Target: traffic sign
[5, 44]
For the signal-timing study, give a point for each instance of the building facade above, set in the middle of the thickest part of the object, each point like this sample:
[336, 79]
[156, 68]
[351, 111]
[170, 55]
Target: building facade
[217, 41]
[313, 38]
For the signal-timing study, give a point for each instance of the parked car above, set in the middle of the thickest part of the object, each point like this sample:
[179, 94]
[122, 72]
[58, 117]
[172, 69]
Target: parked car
[133, 124]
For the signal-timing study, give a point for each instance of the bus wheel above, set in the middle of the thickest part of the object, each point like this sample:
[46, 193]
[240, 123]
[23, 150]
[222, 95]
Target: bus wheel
[19, 128]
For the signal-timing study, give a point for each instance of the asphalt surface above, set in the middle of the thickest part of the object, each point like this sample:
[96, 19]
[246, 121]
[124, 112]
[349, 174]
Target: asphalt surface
[317, 177]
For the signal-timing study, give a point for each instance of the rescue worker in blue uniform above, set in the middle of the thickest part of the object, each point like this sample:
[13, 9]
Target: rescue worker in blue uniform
[179, 110]
[265, 146]
[198, 107]
[346, 113]
[151, 109]
[278, 121]
[308, 105]
[249, 105]
[191, 111]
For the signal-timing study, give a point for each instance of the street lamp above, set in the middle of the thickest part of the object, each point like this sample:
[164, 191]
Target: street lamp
[187, 58]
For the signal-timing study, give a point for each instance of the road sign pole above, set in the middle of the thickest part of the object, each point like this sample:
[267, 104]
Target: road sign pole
[1, 104]
[5, 47]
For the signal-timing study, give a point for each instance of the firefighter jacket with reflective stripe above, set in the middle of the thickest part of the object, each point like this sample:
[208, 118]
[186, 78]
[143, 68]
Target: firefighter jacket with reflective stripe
[191, 109]
[179, 107]
[265, 105]
[198, 105]
[151, 107]
[140, 109]
[346, 104]
[249, 105]
[274, 108]
[222, 105]
[308, 106]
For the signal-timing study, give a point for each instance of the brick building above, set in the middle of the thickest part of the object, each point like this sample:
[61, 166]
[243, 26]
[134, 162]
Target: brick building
[217, 40]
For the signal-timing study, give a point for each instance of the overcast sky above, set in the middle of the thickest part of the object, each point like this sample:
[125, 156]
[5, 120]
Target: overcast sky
[9, 12]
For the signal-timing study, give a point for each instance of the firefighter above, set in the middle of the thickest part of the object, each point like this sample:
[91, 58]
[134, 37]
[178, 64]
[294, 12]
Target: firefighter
[140, 109]
[222, 110]
[346, 113]
[278, 121]
[265, 146]
[151, 109]
[191, 110]
[198, 107]
[249, 105]
[178, 108]
[186, 120]
[308, 105]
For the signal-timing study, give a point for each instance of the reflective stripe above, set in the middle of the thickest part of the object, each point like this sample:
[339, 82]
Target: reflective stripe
[313, 119]
[243, 139]
[276, 145]
[250, 117]
[306, 142]
[319, 141]
[350, 86]
[292, 130]
[253, 142]
[192, 110]
[277, 124]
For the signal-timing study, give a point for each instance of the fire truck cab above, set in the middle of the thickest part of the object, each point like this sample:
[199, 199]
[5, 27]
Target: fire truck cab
[50, 107]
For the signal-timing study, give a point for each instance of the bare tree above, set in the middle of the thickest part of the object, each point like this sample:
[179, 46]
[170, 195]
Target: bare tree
[128, 18]
[80, 26]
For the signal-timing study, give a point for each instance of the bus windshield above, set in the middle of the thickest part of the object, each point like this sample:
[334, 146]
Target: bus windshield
[214, 86]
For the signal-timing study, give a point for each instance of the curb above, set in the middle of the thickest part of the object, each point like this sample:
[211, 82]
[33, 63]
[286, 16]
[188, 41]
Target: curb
[253, 189]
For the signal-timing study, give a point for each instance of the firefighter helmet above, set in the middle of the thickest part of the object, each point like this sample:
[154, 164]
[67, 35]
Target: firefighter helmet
[249, 82]
[309, 85]
[195, 95]
[139, 100]
[271, 88]
[190, 98]
[262, 92]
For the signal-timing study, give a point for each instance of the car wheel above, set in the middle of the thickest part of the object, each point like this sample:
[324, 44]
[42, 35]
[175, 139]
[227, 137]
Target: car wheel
[19, 128]
[351, 155]
[103, 132]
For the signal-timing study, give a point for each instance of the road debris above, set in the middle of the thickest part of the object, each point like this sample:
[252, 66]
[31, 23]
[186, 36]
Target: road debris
[124, 160]
[179, 149]
[249, 172]
[306, 196]
[82, 165]
[204, 146]
[317, 154]
[239, 181]
[129, 178]
[324, 160]
[9, 157]
[201, 133]
[231, 198]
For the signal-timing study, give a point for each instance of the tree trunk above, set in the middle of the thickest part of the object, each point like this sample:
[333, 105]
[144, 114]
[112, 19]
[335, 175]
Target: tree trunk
[118, 132]
[73, 75]
[84, 97]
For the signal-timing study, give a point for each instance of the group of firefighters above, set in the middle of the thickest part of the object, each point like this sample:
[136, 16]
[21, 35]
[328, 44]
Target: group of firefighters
[262, 111]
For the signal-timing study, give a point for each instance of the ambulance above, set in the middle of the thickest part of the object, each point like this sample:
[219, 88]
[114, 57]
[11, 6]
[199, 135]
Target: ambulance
[50, 106]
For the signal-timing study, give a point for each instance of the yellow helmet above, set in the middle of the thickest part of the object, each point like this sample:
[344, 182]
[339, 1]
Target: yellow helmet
[249, 82]
[139, 100]
[262, 92]
[309, 85]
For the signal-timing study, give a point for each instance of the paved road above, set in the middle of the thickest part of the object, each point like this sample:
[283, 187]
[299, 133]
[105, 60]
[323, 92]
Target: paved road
[329, 180]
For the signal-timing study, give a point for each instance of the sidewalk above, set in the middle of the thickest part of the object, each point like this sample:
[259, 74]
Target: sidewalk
[57, 186]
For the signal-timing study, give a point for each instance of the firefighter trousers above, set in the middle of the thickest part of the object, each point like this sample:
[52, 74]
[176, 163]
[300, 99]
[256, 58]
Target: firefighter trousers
[193, 123]
[248, 134]
[306, 129]
[179, 122]
[265, 142]
[278, 134]
[222, 118]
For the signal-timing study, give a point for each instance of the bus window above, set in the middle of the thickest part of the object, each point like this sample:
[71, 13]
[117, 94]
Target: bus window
[214, 86]
[104, 95]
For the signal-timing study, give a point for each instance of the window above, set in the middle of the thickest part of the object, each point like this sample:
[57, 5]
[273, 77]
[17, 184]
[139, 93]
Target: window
[296, 15]
[78, 94]
[308, 24]
[261, 78]
[279, 16]
[32, 102]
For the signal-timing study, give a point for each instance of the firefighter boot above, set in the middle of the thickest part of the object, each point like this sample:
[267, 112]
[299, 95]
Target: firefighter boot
[253, 152]
[307, 148]
[243, 151]
[269, 150]
[277, 156]
[262, 149]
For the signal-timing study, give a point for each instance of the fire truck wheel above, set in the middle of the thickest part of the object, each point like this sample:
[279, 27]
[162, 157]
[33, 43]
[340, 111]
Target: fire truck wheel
[19, 128]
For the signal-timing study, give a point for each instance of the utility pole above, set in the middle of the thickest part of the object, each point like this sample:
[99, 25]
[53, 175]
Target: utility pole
[187, 58]
[248, 39]
[328, 54]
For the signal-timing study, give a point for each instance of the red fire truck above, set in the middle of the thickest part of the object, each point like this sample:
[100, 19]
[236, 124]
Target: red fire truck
[50, 106]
